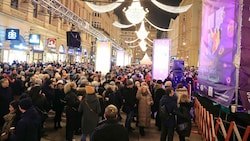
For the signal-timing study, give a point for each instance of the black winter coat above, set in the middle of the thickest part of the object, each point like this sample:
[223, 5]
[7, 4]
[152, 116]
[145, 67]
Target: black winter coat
[5, 98]
[110, 130]
[171, 103]
[28, 127]
[129, 96]
[183, 116]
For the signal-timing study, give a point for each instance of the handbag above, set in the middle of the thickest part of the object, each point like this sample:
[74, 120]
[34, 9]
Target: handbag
[90, 108]
[182, 126]
[4, 136]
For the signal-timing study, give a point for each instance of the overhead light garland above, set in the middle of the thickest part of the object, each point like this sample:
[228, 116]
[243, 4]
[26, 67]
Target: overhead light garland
[171, 9]
[105, 8]
[120, 25]
[159, 28]
[117, 24]
[130, 42]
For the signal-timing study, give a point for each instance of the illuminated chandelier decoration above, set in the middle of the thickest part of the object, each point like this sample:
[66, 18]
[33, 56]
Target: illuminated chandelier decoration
[143, 45]
[142, 33]
[135, 13]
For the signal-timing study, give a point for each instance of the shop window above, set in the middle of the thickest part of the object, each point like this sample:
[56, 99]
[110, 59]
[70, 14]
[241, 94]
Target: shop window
[14, 4]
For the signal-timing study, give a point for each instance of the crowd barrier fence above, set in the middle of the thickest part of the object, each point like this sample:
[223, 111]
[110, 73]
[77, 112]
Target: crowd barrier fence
[209, 130]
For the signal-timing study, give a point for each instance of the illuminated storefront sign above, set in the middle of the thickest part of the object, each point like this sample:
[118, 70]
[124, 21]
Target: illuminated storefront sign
[12, 34]
[34, 39]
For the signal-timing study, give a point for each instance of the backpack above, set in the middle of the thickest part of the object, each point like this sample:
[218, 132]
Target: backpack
[164, 113]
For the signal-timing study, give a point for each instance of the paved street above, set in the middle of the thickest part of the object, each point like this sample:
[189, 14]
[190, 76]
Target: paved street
[151, 134]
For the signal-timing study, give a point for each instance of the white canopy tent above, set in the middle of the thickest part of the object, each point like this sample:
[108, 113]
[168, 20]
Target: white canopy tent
[146, 60]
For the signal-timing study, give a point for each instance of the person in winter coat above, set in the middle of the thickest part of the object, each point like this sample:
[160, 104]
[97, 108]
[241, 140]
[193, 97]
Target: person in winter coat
[11, 120]
[184, 118]
[129, 106]
[110, 129]
[48, 90]
[58, 104]
[144, 108]
[168, 125]
[28, 127]
[6, 96]
[158, 93]
[90, 109]
[72, 103]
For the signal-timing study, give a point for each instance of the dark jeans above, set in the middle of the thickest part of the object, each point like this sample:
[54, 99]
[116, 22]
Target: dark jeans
[128, 119]
[58, 116]
[167, 131]
[70, 123]
[158, 120]
[182, 138]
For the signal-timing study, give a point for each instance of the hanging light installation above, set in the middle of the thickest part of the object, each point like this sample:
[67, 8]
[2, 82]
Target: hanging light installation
[135, 13]
[143, 45]
[142, 33]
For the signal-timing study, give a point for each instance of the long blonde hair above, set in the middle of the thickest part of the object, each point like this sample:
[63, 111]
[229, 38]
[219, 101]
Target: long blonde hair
[184, 98]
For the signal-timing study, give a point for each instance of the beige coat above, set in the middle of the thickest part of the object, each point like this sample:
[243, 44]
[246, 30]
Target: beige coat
[144, 108]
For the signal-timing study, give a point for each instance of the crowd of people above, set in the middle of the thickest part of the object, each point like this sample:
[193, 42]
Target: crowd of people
[92, 101]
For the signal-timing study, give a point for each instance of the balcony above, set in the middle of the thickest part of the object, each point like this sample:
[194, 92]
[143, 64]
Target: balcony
[18, 14]
[38, 22]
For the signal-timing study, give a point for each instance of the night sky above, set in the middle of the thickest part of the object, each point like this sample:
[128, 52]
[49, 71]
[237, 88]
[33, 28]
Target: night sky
[155, 15]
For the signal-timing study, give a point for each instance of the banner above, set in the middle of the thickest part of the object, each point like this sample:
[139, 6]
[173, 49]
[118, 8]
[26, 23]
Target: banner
[216, 79]
[161, 59]
[51, 42]
[120, 55]
[244, 76]
[103, 57]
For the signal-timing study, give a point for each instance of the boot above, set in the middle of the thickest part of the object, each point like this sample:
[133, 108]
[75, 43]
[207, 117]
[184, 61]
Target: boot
[59, 125]
[141, 129]
[55, 126]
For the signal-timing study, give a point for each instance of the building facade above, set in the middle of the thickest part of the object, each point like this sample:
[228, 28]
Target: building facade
[186, 37]
[31, 19]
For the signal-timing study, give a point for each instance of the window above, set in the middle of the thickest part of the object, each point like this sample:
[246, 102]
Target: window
[14, 4]
[35, 11]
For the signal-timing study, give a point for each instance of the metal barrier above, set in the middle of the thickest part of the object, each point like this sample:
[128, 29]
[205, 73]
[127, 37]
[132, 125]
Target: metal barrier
[206, 127]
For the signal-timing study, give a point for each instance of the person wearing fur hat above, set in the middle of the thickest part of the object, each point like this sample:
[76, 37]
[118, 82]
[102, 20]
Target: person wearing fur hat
[28, 127]
[90, 109]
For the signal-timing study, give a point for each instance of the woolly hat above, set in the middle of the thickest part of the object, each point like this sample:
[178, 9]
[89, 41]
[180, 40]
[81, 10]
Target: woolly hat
[25, 103]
